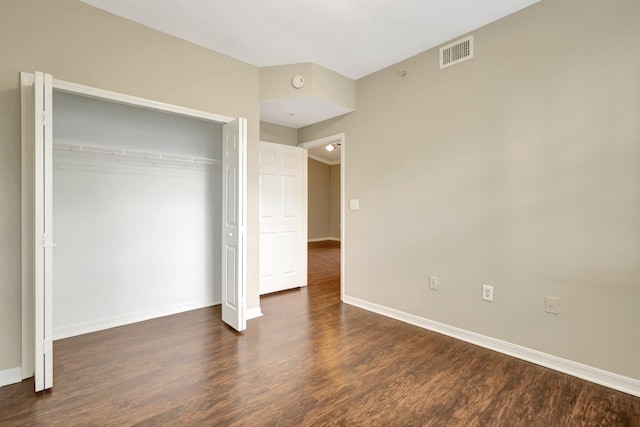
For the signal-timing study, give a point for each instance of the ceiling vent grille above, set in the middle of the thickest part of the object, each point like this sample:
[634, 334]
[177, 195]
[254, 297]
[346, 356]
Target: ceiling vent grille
[456, 52]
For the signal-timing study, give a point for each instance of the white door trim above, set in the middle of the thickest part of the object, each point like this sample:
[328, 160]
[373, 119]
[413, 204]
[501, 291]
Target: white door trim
[27, 165]
[27, 80]
[78, 89]
[341, 139]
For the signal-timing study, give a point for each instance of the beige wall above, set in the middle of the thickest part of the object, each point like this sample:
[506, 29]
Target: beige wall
[333, 87]
[324, 200]
[319, 176]
[270, 132]
[334, 201]
[320, 82]
[520, 169]
[80, 44]
[275, 82]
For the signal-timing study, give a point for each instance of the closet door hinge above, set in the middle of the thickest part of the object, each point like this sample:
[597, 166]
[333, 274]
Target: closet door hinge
[43, 118]
[48, 346]
[46, 241]
[45, 347]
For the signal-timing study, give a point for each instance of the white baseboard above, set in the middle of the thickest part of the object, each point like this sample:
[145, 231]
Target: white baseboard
[126, 319]
[253, 313]
[323, 239]
[585, 372]
[10, 376]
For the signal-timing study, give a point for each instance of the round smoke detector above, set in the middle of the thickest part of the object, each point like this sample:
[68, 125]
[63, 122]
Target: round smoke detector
[297, 81]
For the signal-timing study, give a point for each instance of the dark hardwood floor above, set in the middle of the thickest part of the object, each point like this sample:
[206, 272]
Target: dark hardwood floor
[311, 360]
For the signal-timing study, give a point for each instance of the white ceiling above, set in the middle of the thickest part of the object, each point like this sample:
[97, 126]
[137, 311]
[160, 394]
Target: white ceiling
[321, 154]
[352, 37]
[299, 112]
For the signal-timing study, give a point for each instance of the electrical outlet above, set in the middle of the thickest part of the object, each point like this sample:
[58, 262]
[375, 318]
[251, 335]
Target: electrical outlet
[433, 282]
[551, 305]
[487, 293]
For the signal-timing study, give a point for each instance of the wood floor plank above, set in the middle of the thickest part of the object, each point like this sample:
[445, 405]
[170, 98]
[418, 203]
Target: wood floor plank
[310, 360]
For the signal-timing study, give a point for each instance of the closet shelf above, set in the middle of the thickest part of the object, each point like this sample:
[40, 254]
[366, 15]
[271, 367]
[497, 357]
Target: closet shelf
[136, 154]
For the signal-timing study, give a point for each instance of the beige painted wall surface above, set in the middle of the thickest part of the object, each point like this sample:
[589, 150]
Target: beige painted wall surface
[275, 82]
[319, 175]
[270, 132]
[320, 82]
[81, 44]
[333, 87]
[520, 169]
[334, 201]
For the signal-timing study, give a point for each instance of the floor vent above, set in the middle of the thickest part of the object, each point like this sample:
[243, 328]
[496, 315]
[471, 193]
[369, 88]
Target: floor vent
[456, 52]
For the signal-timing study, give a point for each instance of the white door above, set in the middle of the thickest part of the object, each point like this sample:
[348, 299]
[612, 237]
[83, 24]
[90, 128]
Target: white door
[43, 231]
[283, 217]
[233, 224]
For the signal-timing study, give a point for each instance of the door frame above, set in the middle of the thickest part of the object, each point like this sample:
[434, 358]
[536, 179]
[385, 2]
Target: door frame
[27, 81]
[341, 139]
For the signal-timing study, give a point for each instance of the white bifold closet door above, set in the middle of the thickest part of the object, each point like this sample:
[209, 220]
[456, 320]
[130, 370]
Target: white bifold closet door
[38, 149]
[233, 220]
[43, 231]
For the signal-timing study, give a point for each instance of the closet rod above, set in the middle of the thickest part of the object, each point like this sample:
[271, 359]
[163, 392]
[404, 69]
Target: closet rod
[136, 153]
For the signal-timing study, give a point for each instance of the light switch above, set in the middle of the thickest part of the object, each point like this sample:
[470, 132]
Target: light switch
[354, 205]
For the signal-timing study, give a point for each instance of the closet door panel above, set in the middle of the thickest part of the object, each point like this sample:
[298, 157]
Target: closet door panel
[233, 220]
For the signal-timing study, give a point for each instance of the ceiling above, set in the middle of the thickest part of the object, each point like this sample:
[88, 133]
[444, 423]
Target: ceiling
[299, 112]
[321, 154]
[352, 37]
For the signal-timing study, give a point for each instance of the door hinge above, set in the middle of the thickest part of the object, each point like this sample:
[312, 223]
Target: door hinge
[46, 241]
[48, 346]
[45, 347]
[43, 118]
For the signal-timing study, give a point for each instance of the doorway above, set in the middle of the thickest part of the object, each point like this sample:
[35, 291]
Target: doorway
[150, 218]
[327, 245]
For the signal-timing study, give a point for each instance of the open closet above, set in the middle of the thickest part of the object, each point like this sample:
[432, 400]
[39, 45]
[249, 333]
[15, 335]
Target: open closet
[144, 205]
[136, 207]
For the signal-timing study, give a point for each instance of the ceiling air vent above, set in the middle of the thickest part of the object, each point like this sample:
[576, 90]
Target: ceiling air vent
[455, 52]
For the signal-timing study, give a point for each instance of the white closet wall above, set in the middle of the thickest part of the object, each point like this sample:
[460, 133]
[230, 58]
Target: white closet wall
[136, 238]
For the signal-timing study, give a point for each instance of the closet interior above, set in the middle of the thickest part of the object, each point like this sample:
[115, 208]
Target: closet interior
[137, 205]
